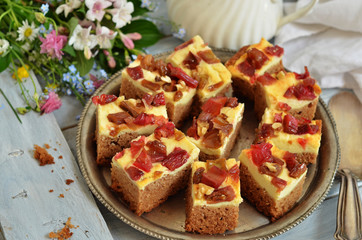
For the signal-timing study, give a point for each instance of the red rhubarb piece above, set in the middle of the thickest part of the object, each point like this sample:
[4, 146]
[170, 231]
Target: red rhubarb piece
[266, 79]
[176, 159]
[134, 173]
[165, 131]
[261, 153]
[135, 73]
[180, 74]
[257, 58]
[183, 45]
[214, 177]
[103, 99]
[290, 124]
[191, 61]
[275, 50]
[246, 68]
[279, 183]
[159, 99]
[143, 161]
[213, 105]
[136, 146]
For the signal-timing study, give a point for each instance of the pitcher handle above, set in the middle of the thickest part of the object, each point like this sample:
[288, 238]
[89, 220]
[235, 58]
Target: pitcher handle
[297, 14]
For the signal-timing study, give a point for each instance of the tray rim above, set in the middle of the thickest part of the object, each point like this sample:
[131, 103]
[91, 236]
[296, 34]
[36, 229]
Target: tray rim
[155, 234]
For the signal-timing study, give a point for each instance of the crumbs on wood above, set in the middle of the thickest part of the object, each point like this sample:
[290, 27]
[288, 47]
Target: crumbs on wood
[42, 155]
[63, 233]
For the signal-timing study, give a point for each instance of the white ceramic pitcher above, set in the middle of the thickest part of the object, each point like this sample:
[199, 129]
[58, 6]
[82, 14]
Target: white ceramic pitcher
[231, 23]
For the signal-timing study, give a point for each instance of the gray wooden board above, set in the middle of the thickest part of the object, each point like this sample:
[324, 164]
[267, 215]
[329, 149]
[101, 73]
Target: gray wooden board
[27, 209]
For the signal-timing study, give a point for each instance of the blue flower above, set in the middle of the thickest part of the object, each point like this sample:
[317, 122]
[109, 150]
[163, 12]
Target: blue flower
[103, 73]
[66, 77]
[69, 91]
[72, 69]
[88, 84]
[146, 4]
[74, 79]
[95, 65]
[45, 8]
[51, 28]
[90, 91]
[180, 34]
[42, 28]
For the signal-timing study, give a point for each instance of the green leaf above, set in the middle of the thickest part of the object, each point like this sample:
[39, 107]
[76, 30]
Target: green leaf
[148, 30]
[83, 65]
[4, 62]
[81, 9]
[138, 10]
[68, 49]
[73, 22]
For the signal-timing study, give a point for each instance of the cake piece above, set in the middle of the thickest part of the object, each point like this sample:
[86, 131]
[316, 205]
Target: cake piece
[153, 168]
[196, 59]
[147, 75]
[294, 93]
[213, 197]
[251, 62]
[301, 137]
[271, 179]
[118, 121]
[216, 128]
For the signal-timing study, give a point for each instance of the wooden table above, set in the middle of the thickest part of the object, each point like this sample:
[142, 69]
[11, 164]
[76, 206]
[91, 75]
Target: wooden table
[25, 185]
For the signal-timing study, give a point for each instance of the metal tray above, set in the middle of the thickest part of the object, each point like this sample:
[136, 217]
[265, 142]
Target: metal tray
[167, 220]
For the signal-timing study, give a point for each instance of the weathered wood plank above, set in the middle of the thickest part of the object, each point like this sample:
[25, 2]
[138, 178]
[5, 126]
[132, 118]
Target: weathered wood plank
[27, 209]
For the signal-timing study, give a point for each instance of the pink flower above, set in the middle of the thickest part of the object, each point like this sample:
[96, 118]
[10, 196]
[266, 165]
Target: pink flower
[53, 44]
[96, 9]
[52, 103]
[127, 39]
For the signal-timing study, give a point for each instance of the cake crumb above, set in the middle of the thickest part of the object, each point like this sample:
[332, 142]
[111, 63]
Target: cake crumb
[64, 233]
[69, 181]
[42, 155]
[52, 171]
[55, 149]
[61, 195]
[51, 190]
[60, 157]
[63, 167]
[47, 146]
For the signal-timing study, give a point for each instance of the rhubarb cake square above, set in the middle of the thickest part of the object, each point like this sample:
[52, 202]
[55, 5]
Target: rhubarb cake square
[153, 168]
[271, 179]
[198, 60]
[299, 136]
[215, 130]
[213, 197]
[118, 121]
[147, 75]
[294, 93]
[251, 62]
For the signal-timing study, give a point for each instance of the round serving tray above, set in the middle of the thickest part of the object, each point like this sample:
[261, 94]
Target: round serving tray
[167, 220]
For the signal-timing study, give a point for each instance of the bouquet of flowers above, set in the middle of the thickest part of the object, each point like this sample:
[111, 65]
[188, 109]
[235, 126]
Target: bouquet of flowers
[73, 45]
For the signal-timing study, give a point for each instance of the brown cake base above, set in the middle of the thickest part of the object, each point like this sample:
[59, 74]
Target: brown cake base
[208, 219]
[175, 113]
[153, 194]
[258, 197]
[107, 146]
[203, 156]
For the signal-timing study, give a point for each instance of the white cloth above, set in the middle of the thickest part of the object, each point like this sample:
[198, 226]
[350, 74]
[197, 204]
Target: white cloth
[328, 41]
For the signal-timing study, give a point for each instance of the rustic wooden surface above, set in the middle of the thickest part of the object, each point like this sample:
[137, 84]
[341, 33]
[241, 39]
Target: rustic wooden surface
[27, 209]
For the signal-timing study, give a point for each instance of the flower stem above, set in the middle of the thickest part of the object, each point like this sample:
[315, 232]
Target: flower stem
[12, 108]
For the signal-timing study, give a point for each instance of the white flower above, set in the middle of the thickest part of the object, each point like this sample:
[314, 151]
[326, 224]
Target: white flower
[96, 9]
[4, 45]
[121, 14]
[104, 35]
[26, 46]
[27, 31]
[180, 34]
[68, 7]
[81, 39]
